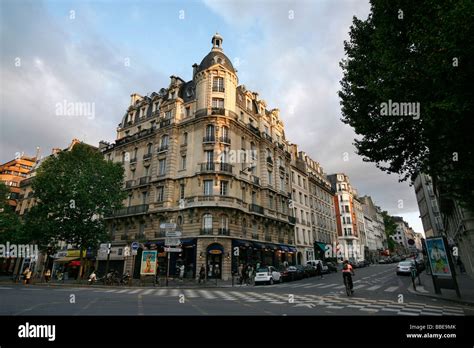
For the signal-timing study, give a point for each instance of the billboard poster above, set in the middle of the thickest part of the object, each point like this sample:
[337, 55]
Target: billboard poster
[148, 264]
[438, 257]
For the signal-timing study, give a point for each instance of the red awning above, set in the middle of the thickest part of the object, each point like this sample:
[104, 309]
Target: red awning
[75, 263]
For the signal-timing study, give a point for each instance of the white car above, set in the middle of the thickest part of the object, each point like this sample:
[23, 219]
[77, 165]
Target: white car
[314, 263]
[405, 267]
[267, 275]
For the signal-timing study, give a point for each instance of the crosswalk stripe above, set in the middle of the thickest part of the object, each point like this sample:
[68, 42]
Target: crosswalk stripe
[340, 287]
[121, 291]
[147, 292]
[375, 287]
[391, 289]
[359, 286]
[313, 286]
[327, 286]
[190, 293]
[135, 291]
[161, 292]
[408, 313]
[207, 294]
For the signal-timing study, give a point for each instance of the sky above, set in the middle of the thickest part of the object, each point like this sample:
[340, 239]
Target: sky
[99, 52]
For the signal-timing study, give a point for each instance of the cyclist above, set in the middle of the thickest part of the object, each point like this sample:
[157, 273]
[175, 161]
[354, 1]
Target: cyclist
[347, 272]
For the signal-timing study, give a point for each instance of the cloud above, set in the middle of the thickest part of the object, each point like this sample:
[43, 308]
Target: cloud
[294, 65]
[48, 61]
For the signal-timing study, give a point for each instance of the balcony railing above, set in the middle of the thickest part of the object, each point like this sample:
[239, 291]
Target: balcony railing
[129, 183]
[206, 231]
[291, 241]
[133, 160]
[225, 140]
[147, 156]
[132, 210]
[163, 148]
[281, 240]
[292, 220]
[255, 130]
[224, 231]
[216, 167]
[165, 123]
[217, 111]
[254, 235]
[209, 139]
[268, 137]
[268, 238]
[256, 208]
[144, 180]
[269, 160]
[218, 89]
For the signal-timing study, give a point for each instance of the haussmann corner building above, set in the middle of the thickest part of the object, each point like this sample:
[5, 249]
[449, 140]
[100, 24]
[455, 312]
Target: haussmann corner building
[207, 155]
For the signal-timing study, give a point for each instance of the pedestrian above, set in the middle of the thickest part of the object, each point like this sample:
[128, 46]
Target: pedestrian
[217, 271]
[181, 272]
[27, 275]
[244, 274]
[202, 274]
[249, 275]
[240, 274]
[47, 275]
[209, 271]
[319, 269]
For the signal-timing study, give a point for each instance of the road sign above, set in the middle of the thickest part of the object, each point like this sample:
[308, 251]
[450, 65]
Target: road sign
[134, 252]
[168, 225]
[173, 250]
[172, 241]
[135, 246]
[174, 234]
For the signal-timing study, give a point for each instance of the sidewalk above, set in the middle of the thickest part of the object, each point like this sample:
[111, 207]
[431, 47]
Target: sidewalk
[465, 283]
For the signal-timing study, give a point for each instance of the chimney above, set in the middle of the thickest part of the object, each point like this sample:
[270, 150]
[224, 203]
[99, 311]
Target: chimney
[195, 67]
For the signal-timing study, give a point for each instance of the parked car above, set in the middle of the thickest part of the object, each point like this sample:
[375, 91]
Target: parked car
[314, 264]
[310, 271]
[298, 272]
[301, 272]
[354, 263]
[267, 275]
[286, 274]
[405, 267]
[383, 261]
[363, 263]
[396, 259]
[332, 267]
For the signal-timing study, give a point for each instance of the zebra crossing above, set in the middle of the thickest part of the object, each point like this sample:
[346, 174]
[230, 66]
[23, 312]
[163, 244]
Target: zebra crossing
[366, 286]
[333, 302]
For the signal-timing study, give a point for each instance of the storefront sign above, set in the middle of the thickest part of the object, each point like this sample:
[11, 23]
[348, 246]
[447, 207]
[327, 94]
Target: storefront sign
[148, 262]
[215, 252]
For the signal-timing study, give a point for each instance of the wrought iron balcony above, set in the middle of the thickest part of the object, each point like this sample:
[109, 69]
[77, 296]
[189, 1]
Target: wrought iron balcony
[163, 148]
[206, 231]
[209, 139]
[269, 160]
[254, 130]
[224, 231]
[132, 210]
[218, 111]
[147, 156]
[165, 123]
[256, 208]
[216, 167]
[225, 140]
[218, 89]
[208, 167]
[133, 160]
[129, 183]
[144, 180]
[256, 180]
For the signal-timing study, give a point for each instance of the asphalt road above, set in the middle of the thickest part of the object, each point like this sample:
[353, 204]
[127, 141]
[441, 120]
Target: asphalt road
[378, 291]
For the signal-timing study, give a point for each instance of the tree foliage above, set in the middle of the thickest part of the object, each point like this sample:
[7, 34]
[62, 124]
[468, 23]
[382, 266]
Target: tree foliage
[390, 229]
[10, 226]
[75, 190]
[421, 52]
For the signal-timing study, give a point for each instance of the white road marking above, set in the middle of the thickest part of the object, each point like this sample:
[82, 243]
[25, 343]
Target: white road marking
[207, 294]
[359, 286]
[327, 286]
[391, 289]
[147, 292]
[375, 287]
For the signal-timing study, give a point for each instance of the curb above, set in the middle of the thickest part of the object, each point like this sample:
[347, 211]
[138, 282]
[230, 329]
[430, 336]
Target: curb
[466, 303]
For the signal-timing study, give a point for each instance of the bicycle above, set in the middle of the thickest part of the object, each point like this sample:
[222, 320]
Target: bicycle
[349, 292]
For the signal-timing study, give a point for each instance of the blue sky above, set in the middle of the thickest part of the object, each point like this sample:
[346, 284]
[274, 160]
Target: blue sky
[287, 51]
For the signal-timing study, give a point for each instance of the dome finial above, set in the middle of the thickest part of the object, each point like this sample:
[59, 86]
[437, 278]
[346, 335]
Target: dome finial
[217, 42]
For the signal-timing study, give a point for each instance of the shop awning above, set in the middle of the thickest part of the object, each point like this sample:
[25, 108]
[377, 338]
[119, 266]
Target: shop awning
[188, 241]
[321, 246]
[66, 259]
[242, 243]
[258, 245]
[284, 248]
[271, 246]
[292, 249]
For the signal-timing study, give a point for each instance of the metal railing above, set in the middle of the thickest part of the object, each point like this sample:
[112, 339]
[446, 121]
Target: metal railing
[224, 231]
[206, 231]
[256, 208]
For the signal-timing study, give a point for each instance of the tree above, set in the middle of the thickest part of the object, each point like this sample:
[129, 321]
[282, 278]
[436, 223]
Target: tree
[10, 225]
[417, 52]
[390, 230]
[75, 190]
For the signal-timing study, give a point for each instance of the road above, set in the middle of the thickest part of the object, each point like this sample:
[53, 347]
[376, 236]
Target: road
[378, 291]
